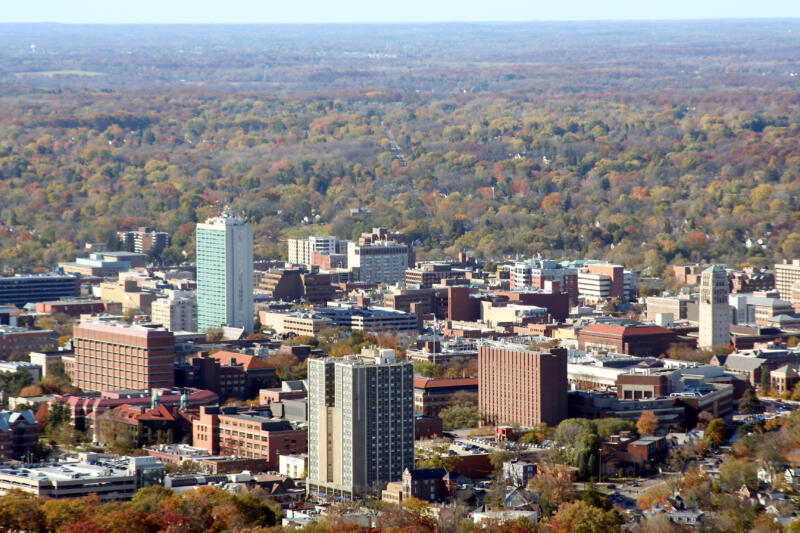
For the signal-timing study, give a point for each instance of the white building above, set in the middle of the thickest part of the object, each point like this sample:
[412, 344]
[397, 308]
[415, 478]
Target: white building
[594, 287]
[379, 262]
[225, 273]
[175, 313]
[294, 466]
[715, 314]
[301, 250]
[109, 478]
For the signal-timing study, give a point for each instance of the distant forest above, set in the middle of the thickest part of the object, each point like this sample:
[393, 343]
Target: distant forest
[643, 143]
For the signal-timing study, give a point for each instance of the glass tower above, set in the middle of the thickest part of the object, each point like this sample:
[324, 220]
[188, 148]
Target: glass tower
[224, 273]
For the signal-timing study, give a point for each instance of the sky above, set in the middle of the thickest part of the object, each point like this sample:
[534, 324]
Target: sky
[343, 11]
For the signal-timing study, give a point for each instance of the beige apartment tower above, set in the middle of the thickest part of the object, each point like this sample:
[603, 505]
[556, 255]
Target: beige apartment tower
[715, 314]
[360, 424]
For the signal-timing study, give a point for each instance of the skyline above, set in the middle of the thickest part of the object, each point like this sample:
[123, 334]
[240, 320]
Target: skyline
[362, 11]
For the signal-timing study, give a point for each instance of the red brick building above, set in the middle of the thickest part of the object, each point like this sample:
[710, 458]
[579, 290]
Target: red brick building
[16, 340]
[78, 307]
[230, 374]
[115, 356]
[631, 339]
[635, 456]
[518, 385]
[224, 431]
[433, 395]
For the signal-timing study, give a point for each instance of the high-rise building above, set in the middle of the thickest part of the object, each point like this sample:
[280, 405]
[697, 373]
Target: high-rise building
[225, 273]
[361, 423]
[786, 275]
[522, 386]
[116, 356]
[715, 314]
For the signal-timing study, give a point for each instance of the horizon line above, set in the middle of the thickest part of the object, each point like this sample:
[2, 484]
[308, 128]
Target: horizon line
[407, 22]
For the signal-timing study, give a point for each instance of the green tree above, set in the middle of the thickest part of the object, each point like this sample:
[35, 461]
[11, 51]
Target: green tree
[460, 416]
[766, 382]
[580, 517]
[749, 403]
[716, 433]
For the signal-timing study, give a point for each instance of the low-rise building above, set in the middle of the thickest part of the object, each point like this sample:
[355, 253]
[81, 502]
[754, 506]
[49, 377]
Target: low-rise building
[373, 319]
[519, 472]
[21, 341]
[293, 465]
[424, 484]
[298, 322]
[75, 307]
[431, 395]
[19, 433]
[110, 479]
[229, 374]
[627, 337]
[634, 455]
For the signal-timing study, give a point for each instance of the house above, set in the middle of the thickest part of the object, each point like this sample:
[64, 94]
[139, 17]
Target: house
[424, 484]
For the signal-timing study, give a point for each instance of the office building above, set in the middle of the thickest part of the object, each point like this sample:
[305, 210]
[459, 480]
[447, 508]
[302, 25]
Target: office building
[361, 423]
[144, 240]
[225, 273]
[715, 314]
[103, 264]
[175, 313]
[522, 386]
[21, 341]
[19, 434]
[371, 319]
[20, 290]
[115, 356]
[378, 262]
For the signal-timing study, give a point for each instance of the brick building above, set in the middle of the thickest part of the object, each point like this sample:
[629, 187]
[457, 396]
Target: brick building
[78, 306]
[114, 356]
[17, 340]
[630, 338]
[250, 435]
[633, 455]
[141, 425]
[433, 395]
[229, 374]
[519, 385]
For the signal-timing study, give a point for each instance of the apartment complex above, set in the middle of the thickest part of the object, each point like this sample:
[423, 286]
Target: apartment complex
[301, 251]
[144, 240]
[225, 273]
[786, 276]
[361, 423]
[20, 290]
[715, 314]
[175, 313]
[523, 386]
[115, 356]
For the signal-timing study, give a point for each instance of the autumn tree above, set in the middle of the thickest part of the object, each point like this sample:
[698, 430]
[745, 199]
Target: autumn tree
[647, 423]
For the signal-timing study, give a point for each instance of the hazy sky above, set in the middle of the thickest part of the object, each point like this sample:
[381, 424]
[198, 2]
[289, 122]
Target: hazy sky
[312, 11]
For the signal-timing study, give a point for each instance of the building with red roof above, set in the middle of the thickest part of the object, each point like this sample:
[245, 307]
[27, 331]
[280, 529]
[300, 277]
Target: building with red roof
[627, 337]
[229, 374]
[431, 395]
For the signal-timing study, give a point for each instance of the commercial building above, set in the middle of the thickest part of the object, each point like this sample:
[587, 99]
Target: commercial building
[20, 341]
[225, 273]
[426, 275]
[114, 356]
[128, 294]
[361, 423]
[786, 276]
[378, 262]
[20, 290]
[144, 240]
[297, 284]
[373, 319]
[298, 322]
[523, 386]
[75, 307]
[110, 479]
[175, 313]
[103, 264]
[715, 313]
